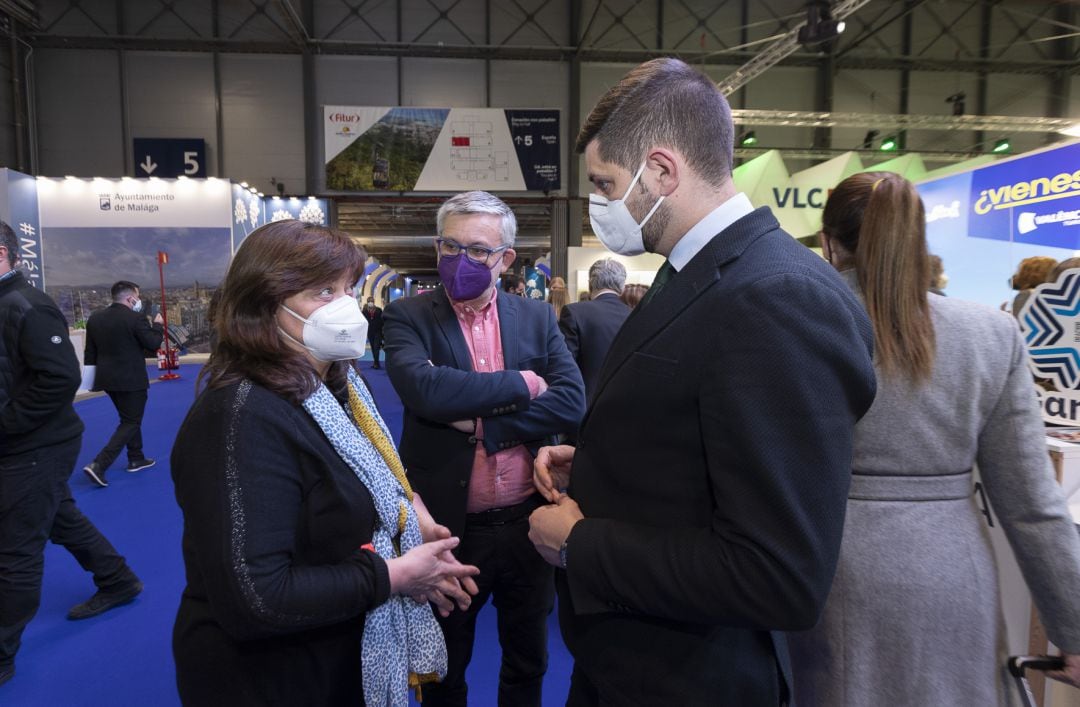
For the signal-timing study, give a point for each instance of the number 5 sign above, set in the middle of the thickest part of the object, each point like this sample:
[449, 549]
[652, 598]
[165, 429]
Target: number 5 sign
[170, 157]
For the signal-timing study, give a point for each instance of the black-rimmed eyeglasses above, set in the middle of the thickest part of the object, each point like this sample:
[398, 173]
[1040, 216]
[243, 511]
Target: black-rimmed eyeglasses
[476, 253]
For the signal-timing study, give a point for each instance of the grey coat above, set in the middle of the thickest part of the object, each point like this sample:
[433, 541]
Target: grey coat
[914, 615]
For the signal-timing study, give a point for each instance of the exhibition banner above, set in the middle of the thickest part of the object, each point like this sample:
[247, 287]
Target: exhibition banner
[1049, 320]
[1034, 199]
[95, 232]
[441, 149]
[19, 209]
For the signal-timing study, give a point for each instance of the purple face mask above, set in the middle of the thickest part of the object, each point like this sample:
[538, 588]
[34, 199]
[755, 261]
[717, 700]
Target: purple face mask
[464, 280]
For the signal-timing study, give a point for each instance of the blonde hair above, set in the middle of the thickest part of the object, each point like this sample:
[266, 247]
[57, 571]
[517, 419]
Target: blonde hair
[557, 295]
[878, 217]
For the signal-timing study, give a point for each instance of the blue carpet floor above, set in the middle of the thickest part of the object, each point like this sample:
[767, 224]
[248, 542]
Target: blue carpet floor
[123, 657]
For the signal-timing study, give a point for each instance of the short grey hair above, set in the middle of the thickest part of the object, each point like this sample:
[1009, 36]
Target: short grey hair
[10, 242]
[479, 202]
[607, 274]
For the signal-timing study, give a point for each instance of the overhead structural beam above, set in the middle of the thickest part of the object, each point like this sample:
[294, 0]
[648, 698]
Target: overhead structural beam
[799, 153]
[296, 25]
[896, 121]
[779, 50]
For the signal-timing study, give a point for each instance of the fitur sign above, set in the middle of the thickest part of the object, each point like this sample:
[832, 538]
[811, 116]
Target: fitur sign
[1050, 322]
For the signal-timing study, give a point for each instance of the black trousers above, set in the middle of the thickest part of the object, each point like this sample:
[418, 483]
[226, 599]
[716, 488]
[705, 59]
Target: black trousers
[376, 346]
[35, 506]
[523, 589]
[130, 404]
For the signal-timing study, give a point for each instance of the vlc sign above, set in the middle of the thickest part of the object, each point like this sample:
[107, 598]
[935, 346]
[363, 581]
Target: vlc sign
[797, 198]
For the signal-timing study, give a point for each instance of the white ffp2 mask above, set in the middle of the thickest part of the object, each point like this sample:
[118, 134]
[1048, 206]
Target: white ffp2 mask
[334, 332]
[613, 223]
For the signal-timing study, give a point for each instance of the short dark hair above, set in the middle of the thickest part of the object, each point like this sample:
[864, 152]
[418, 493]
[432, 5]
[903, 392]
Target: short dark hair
[510, 282]
[274, 263]
[663, 102]
[122, 289]
[10, 242]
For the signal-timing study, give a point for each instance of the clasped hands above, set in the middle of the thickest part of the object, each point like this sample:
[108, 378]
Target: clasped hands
[550, 526]
[430, 572]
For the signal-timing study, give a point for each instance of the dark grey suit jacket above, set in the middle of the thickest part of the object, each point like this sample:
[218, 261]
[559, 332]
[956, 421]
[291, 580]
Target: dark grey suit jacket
[712, 468]
[589, 328]
[118, 340]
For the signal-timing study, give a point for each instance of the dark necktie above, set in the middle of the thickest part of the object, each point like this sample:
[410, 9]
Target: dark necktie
[663, 275]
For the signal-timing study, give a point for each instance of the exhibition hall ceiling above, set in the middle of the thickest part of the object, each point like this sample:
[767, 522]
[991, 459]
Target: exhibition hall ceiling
[895, 57]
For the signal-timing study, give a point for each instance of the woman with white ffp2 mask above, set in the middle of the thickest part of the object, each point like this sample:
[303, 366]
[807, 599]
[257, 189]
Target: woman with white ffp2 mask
[334, 332]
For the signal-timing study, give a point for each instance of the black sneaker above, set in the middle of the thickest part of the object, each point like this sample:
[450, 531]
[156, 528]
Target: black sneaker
[6, 673]
[96, 474]
[103, 601]
[141, 464]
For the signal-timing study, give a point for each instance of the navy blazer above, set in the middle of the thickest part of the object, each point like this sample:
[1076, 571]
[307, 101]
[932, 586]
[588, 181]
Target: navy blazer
[429, 364]
[589, 328]
[118, 341]
[712, 468]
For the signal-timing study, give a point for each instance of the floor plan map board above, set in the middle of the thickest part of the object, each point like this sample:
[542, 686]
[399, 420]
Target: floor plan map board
[441, 149]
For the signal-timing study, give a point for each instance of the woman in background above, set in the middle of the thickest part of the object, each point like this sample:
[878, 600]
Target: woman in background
[914, 615]
[309, 561]
[1030, 273]
[557, 295]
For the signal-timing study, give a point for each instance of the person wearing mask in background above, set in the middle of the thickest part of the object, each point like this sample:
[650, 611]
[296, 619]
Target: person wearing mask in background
[590, 326]
[706, 494]
[513, 284]
[558, 297]
[118, 341]
[914, 617]
[309, 560]
[40, 438]
[374, 317]
[485, 379]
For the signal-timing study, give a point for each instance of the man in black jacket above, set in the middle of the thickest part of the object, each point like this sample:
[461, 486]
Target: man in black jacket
[374, 315]
[40, 437]
[118, 340]
[589, 327]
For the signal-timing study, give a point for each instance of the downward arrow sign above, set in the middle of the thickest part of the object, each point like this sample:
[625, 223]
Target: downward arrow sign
[148, 165]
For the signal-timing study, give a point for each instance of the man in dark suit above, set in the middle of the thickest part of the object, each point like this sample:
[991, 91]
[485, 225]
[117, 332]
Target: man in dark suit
[707, 492]
[485, 378]
[118, 340]
[374, 316]
[589, 327]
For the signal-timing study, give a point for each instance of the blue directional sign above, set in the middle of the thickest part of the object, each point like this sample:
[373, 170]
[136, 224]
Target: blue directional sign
[170, 157]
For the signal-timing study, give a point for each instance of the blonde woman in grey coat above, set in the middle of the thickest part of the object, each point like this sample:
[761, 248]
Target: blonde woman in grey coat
[914, 616]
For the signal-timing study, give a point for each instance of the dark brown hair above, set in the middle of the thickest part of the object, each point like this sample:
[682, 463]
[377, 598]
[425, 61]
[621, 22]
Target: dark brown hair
[632, 293]
[878, 217]
[1067, 264]
[274, 263]
[1033, 271]
[663, 102]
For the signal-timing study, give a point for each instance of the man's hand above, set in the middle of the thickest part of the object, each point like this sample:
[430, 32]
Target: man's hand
[1071, 674]
[551, 471]
[550, 526]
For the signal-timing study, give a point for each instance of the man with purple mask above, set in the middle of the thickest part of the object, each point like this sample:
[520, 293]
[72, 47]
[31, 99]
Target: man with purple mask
[485, 378]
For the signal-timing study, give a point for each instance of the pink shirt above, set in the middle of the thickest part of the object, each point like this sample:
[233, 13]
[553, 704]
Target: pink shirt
[504, 478]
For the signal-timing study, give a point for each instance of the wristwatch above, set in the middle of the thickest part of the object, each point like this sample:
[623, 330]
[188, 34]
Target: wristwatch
[562, 555]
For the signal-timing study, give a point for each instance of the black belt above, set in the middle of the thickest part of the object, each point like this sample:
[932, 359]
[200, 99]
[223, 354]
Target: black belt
[509, 514]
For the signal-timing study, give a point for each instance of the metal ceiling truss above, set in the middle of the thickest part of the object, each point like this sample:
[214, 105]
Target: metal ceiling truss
[897, 121]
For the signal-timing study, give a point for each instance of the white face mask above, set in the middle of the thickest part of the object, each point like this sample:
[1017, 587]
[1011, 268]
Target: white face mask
[334, 332]
[137, 307]
[613, 223]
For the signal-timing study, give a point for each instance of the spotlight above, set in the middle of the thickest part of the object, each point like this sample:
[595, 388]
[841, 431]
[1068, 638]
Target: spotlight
[820, 26]
[868, 141]
[957, 100]
[889, 144]
[1002, 146]
[749, 139]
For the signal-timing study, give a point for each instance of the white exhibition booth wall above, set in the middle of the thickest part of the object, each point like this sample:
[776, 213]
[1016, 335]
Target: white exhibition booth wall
[78, 236]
